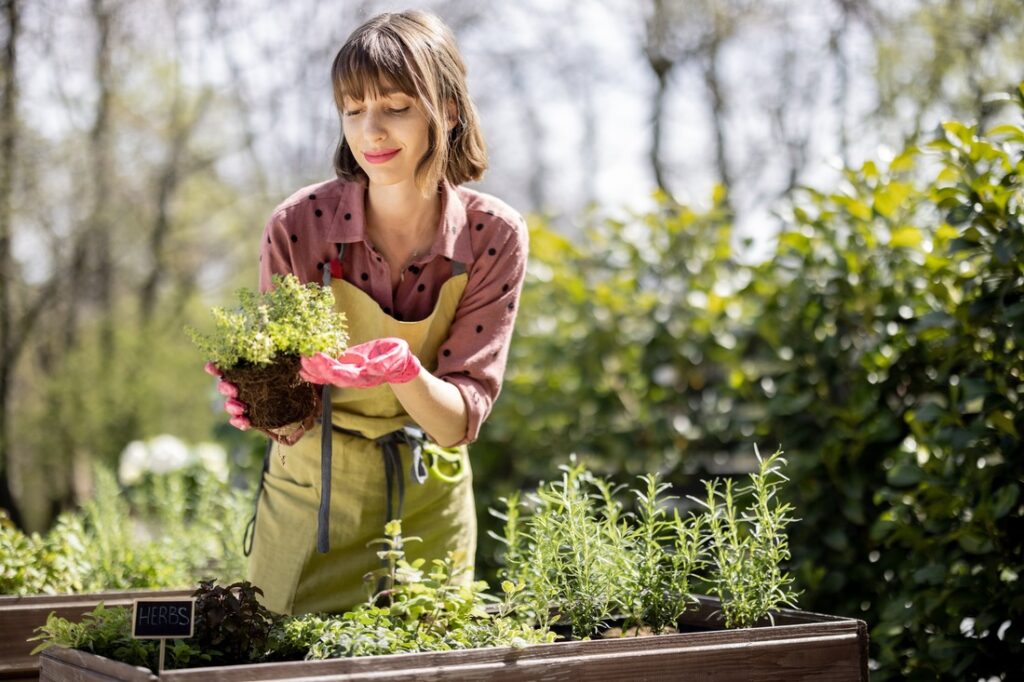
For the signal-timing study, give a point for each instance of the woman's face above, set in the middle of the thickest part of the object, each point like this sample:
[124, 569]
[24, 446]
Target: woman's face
[387, 135]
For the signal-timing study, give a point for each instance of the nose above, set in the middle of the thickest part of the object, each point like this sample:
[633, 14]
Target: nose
[373, 126]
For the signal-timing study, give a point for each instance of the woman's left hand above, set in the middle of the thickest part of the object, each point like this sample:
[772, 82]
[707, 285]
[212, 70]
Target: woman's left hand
[388, 360]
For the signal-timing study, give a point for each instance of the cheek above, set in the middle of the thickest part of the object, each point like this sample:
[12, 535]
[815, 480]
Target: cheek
[417, 132]
[348, 132]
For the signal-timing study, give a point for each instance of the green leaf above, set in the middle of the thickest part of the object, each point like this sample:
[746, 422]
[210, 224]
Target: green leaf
[909, 237]
[931, 574]
[960, 214]
[1008, 131]
[904, 474]
[890, 197]
[1004, 500]
[974, 542]
[1004, 422]
[904, 161]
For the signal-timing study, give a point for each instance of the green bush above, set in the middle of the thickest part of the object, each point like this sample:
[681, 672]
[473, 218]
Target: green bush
[166, 531]
[881, 342]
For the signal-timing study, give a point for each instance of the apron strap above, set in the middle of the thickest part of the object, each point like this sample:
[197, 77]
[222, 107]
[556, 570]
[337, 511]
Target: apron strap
[250, 528]
[326, 436]
[323, 543]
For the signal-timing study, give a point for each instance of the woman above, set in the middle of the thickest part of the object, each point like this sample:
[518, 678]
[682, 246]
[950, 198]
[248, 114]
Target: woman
[428, 274]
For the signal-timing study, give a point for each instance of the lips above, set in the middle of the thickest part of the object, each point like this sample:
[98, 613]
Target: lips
[382, 156]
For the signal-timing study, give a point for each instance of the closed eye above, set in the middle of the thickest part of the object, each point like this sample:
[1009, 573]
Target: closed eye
[396, 112]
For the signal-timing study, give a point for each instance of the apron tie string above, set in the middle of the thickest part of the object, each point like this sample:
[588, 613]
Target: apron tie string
[250, 528]
[393, 475]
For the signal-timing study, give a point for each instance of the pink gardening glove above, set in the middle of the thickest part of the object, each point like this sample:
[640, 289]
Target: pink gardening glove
[237, 409]
[366, 365]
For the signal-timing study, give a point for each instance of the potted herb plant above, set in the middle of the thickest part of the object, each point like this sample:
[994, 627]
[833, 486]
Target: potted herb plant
[578, 565]
[258, 345]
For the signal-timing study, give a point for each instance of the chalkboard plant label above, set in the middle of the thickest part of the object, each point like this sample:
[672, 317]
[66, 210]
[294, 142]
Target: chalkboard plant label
[163, 618]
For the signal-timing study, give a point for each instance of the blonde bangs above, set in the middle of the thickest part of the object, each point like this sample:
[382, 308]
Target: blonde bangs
[370, 64]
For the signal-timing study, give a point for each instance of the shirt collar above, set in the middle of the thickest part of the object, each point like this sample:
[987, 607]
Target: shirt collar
[453, 237]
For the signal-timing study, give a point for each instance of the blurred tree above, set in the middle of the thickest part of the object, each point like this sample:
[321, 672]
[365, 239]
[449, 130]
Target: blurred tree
[939, 58]
[13, 330]
[681, 34]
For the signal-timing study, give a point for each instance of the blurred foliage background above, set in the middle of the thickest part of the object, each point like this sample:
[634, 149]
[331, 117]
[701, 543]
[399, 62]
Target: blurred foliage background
[778, 223]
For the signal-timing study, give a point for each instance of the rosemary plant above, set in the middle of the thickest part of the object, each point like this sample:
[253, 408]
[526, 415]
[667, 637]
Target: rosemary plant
[664, 553]
[572, 562]
[747, 548]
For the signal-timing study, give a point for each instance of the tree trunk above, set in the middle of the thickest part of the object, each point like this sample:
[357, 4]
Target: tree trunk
[718, 114]
[656, 49]
[842, 68]
[99, 223]
[657, 120]
[8, 149]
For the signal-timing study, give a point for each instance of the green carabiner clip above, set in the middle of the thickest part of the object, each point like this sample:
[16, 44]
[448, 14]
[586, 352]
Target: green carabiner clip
[444, 464]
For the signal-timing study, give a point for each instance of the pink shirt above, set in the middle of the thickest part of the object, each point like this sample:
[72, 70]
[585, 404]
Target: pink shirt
[476, 229]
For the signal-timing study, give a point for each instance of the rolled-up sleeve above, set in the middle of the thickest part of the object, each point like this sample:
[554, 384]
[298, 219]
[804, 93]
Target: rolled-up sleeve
[474, 355]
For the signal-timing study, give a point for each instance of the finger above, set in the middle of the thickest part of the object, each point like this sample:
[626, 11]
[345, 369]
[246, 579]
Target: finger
[236, 408]
[212, 370]
[227, 389]
[317, 368]
[310, 377]
[318, 365]
[240, 423]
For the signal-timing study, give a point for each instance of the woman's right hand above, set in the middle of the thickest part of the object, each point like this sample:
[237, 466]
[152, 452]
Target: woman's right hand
[289, 435]
[233, 406]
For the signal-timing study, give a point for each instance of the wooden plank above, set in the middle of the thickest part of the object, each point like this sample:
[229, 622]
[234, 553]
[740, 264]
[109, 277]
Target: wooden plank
[831, 652]
[20, 616]
[70, 665]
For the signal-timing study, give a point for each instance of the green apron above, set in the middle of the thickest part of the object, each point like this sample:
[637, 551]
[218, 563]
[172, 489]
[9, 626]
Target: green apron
[356, 496]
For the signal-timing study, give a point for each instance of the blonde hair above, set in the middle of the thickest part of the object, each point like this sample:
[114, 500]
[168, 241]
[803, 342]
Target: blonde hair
[415, 52]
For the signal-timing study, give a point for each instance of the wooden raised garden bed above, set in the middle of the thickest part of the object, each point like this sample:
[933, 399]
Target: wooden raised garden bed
[801, 646]
[20, 616]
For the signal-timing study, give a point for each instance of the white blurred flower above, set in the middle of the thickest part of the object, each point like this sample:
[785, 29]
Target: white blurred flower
[167, 453]
[134, 462]
[214, 459]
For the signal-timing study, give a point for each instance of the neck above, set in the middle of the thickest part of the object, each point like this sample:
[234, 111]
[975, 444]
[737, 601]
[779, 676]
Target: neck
[400, 214]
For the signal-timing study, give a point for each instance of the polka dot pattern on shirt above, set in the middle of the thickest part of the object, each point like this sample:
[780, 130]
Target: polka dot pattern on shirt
[476, 230]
